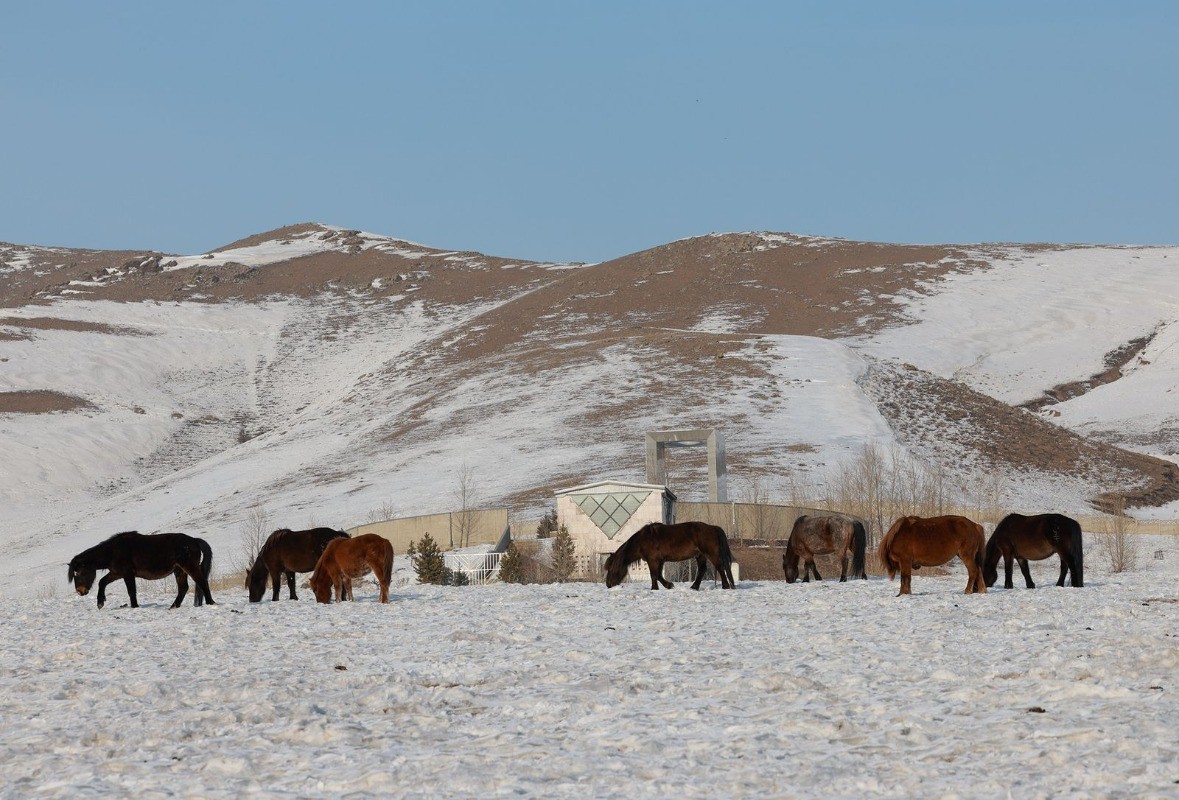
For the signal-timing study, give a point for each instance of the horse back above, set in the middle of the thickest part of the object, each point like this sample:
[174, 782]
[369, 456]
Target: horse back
[154, 556]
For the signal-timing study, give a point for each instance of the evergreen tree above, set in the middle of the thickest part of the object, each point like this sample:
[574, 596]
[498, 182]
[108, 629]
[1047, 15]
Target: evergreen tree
[428, 562]
[511, 566]
[547, 525]
[564, 561]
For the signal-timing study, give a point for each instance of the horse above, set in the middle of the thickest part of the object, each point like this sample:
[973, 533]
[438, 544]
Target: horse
[130, 555]
[656, 542]
[1031, 538]
[822, 535]
[914, 542]
[286, 552]
[345, 559]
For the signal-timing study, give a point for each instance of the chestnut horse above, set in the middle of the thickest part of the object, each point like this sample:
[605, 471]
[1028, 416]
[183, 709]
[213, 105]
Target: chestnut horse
[822, 535]
[345, 559]
[656, 543]
[130, 555]
[284, 553]
[914, 542]
[1031, 539]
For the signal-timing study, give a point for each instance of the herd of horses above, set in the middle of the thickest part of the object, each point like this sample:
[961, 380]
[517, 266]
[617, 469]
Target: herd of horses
[334, 558]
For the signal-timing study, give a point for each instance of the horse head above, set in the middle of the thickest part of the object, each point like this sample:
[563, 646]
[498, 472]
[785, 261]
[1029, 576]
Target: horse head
[616, 566]
[256, 580]
[321, 585]
[81, 575]
[790, 567]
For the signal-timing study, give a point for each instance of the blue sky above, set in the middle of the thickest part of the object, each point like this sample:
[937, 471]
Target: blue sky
[549, 130]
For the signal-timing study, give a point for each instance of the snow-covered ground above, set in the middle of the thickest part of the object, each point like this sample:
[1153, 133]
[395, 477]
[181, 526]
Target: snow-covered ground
[810, 690]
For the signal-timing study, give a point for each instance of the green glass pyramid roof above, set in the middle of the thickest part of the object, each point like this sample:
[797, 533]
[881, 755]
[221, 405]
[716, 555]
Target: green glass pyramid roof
[610, 511]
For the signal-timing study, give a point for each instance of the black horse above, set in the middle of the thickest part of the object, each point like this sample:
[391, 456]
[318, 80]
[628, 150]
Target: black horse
[656, 543]
[284, 553]
[130, 555]
[1033, 538]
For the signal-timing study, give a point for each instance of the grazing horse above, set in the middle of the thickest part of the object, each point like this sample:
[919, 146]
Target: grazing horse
[132, 555]
[914, 542]
[822, 535]
[286, 552]
[1031, 539]
[345, 559]
[656, 543]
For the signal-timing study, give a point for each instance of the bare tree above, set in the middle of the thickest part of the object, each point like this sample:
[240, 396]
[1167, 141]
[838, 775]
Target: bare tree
[385, 511]
[468, 495]
[759, 518]
[253, 532]
[1118, 544]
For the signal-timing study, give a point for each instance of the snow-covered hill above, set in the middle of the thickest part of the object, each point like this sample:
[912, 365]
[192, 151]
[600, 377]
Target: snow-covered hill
[324, 373]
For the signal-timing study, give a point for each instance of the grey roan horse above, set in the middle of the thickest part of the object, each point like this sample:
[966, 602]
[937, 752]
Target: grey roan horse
[821, 535]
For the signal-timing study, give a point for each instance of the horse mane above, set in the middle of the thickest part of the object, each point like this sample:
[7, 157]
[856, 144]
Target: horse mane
[259, 560]
[882, 553]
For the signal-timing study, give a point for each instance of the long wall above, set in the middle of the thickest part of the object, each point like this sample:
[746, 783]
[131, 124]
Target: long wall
[747, 521]
[450, 530]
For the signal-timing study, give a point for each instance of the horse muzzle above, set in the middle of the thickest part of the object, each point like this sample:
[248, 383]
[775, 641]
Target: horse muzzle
[82, 590]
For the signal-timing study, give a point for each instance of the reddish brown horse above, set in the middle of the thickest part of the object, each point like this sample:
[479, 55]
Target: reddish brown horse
[656, 543]
[345, 559]
[284, 553]
[1032, 539]
[822, 535]
[930, 542]
[130, 555]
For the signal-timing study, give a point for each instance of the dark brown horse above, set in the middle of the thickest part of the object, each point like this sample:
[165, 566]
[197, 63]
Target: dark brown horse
[822, 535]
[132, 555]
[285, 553]
[345, 559]
[914, 542]
[1031, 539]
[656, 543]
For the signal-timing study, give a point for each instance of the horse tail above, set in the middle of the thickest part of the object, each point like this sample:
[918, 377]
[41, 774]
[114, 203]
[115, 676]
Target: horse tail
[206, 559]
[388, 570]
[726, 555]
[859, 546]
[1077, 549]
[886, 559]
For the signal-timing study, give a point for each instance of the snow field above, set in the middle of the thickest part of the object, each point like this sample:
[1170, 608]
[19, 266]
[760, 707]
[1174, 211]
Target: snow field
[578, 691]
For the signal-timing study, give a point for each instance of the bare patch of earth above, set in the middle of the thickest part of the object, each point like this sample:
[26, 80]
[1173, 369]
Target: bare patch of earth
[965, 429]
[1114, 361]
[40, 402]
[54, 324]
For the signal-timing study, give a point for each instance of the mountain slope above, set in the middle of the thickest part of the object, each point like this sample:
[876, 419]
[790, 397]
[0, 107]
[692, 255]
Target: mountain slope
[324, 373]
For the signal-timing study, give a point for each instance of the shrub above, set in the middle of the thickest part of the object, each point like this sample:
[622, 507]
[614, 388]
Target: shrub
[511, 566]
[547, 525]
[428, 562]
[564, 561]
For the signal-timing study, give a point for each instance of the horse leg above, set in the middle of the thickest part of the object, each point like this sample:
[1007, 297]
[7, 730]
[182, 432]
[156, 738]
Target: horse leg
[1007, 584]
[1063, 570]
[701, 568]
[974, 577]
[107, 578]
[291, 584]
[659, 574]
[906, 578]
[1027, 574]
[181, 587]
[276, 581]
[129, 579]
[843, 568]
[810, 565]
